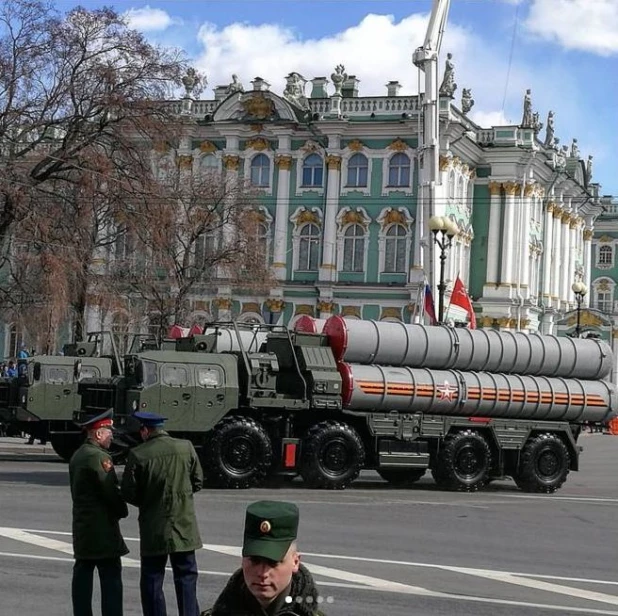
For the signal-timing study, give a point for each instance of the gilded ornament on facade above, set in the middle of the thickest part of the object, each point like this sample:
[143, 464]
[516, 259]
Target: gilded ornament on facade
[487, 321]
[303, 309]
[558, 211]
[603, 285]
[185, 161]
[399, 145]
[351, 311]
[511, 188]
[513, 323]
[200, 305]
[391, 313]
[606, 239]
[333, 162]
[231, 162]
[586, 318]
[250, 307]
[258, 107]
[614, 333]
[525, 323]
[305, 216]
[444, 162]
[208, 147]
[284, 162]
[495, 188]
[550, 206]
[326, 306]
[256, 128]
[565, 218]
[504, 322]
[353, 217]
[574, 222]
[588, 234]
[530, 190]
[393, 217]
[161, 146]
[275, 305]
[356, 145]
[257, 143]
[311, 146]
[222, 303]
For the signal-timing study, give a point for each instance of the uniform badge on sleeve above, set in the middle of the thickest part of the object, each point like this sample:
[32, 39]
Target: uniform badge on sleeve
[107, 465]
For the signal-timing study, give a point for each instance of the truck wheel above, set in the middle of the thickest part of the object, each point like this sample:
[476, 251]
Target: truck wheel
[65, 445]
[544, 464]
[333, 455]
[401, 477]
[238, 454]
[463, 462]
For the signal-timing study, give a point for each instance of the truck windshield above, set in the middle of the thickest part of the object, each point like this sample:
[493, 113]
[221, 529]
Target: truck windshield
[150, 373]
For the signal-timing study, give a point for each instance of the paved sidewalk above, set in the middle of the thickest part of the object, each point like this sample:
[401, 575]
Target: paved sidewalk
[17, 445]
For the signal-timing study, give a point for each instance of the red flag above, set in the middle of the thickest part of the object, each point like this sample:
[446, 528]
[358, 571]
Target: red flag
[428, 305]
[460, 298]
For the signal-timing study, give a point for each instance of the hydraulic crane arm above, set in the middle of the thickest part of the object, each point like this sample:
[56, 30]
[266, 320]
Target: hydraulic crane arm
[433, 37]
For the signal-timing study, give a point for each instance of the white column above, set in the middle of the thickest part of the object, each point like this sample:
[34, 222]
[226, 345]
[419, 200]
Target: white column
[231, 164]
[573, 226]
[565, 282]
[548, 252]
[587, 237]
[526, 217]
[284, 164]
[493, 236]
[556, 256]
[328, 269]
[508, 236]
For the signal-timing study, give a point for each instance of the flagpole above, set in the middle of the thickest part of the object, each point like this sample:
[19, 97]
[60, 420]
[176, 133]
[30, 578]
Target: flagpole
[450, 299]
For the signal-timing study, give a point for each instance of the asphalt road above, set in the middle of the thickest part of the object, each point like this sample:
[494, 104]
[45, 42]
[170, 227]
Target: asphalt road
[373, 550]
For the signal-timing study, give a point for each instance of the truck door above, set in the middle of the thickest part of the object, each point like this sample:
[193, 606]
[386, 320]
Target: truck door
[60, 397]
[211, 402]
[177, 395]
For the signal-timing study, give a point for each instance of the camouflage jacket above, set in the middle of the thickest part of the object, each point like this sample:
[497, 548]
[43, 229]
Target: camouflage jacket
[236, 600]
[97, 505]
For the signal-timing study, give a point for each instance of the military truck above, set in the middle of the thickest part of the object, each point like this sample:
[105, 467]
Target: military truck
[468, 405]
[43, 398]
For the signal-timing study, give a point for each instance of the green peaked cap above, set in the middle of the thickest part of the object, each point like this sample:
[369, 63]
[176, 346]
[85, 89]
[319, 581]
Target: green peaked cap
[270, 528]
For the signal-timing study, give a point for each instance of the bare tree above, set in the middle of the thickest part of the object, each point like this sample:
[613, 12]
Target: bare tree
[76, 94]
[190, 233]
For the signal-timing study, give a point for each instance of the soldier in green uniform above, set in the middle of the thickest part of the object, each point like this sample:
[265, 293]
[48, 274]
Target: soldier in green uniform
[160, 478]
[97, 508]
[271, 581]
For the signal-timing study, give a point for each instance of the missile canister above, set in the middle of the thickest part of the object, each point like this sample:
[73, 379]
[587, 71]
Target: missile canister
[227, 339]
[442, 347]
[475, 394]
[309, 324]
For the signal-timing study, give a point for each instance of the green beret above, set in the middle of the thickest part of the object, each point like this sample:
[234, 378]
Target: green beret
[270, 528]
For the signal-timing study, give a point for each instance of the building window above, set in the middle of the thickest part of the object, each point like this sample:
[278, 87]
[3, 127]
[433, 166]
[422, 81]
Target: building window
[604, 301]
[358, 171]
[399, 170]
[395, 250]
[260, 170]
[313, 170]
[606, 256]
[125, 243]
[309, 248]
[209, 163]
[354, 249]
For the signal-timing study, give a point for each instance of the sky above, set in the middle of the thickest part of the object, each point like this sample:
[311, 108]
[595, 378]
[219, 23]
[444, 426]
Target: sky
[565, 51]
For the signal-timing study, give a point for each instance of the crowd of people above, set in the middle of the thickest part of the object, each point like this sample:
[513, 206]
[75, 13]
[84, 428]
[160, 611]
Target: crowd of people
[160, 478]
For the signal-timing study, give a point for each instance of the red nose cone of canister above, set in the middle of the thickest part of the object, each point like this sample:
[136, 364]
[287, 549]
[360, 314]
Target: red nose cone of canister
[175, 332]
[337, 331]
[196, 330]
[347, 382]
[306, 324]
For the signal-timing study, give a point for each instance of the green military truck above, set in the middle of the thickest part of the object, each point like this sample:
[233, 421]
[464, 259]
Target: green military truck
[259, 401]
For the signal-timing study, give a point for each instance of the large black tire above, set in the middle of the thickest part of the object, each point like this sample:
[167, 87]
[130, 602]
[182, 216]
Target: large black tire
[65, 445]
[238, 454]
[401, 477]
[544, 464]
[332, 456]
[463, 463]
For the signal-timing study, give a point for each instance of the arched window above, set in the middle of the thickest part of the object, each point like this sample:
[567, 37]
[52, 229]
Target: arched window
[358, 170]
[313, 170]
[395, 249]
[451, 184]
[399, 170]
[209, 163]
[124, 248]
[309, 248]
[354, 249]
[260, 170]
[259, 245]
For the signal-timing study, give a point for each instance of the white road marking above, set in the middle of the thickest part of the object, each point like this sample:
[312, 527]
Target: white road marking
[553, 497]
[346, 579]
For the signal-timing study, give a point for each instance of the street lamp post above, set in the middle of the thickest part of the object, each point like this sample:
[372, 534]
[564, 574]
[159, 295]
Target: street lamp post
[443, 229]
[580, 290]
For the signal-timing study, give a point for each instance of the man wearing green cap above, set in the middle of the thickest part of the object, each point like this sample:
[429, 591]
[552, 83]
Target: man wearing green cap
[271, 581]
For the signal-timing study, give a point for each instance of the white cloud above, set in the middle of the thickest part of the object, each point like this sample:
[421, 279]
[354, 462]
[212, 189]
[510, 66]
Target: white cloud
[587, 25]
[491, 118]
[149, 19]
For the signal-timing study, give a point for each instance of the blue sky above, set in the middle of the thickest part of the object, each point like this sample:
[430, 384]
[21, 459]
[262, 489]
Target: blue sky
[566, 51]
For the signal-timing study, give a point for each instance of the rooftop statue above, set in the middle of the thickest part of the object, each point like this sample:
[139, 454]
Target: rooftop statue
[234, 86]
[537, 125]
[527, 119]
[589, 170]
[193, 82]
[295, 90]
[339, 77]
[574, 149]
[448, 86]
[549, 135]
[467, 102]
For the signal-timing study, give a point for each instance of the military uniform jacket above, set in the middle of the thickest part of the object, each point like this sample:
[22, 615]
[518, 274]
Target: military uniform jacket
[160, 478]
[236, 600]
[97, 504]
